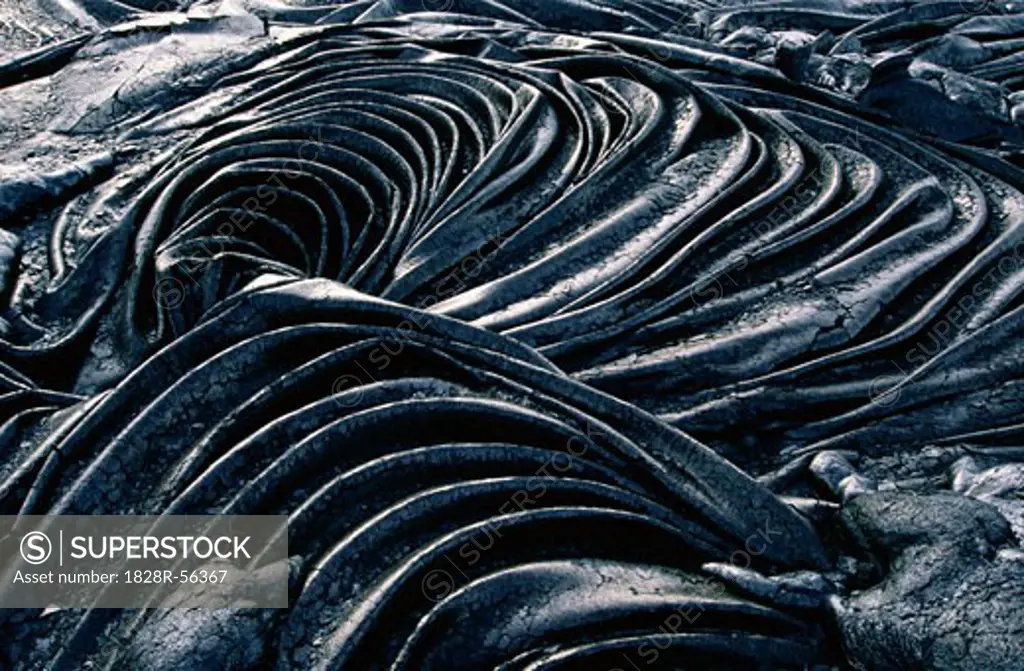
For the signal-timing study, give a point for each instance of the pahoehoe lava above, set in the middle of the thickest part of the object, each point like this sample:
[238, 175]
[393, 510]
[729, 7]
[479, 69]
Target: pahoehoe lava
[383, 265]
[617, 517]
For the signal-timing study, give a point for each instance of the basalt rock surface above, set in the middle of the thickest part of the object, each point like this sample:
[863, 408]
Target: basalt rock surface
[386, 266]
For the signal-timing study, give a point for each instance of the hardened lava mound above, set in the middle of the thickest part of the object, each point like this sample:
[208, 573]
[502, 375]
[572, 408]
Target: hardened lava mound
[527, 278]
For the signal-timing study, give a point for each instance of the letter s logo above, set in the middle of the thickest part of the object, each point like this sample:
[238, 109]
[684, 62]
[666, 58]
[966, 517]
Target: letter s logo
[35, 547]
